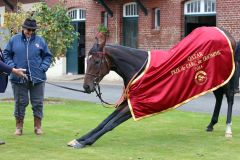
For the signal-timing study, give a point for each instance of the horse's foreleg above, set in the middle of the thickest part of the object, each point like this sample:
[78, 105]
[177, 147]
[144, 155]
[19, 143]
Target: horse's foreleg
[219, 96]
[92, 136]
[230, 100]
[100, 126]
[123, 115]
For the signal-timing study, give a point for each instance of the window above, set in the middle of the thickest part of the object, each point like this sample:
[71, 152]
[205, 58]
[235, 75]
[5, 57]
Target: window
[73, 14]
[209, 6]
[77, 14]
[157, 18]
[130, 10]
[82, 14]
[104, 19]
[194, 7]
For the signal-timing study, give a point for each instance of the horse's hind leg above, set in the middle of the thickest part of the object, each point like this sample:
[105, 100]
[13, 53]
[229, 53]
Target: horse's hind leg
[219, 96]
[230, 100]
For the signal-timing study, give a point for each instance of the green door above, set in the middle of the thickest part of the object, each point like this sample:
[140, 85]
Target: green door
[76, 53]
[72, 54]
[72, 58]
[130, 32]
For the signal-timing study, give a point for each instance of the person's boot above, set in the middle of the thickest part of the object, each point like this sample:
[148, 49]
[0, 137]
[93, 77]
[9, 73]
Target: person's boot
[2, 142]
[37, 126]
[19, 126]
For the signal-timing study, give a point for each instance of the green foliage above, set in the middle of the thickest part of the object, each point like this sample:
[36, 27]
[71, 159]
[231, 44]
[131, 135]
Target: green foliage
[54, 26]
[102, 29]
[13, 21]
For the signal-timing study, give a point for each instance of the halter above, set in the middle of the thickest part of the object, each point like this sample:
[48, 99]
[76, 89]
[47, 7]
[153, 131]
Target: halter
[96, 80]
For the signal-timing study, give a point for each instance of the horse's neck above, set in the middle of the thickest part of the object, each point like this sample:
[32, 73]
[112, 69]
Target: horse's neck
[127, 64]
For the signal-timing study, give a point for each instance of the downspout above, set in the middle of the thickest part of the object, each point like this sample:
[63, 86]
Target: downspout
[9, 4]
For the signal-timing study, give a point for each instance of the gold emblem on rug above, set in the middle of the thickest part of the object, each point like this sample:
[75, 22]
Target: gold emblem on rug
[201, 77]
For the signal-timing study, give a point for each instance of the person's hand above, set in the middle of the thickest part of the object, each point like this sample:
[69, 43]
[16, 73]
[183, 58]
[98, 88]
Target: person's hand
[19, 72]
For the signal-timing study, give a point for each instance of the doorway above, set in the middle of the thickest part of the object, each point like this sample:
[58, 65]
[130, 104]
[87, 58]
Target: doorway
[193, 22]
[130, 32]
[76, 53]
[130, 24]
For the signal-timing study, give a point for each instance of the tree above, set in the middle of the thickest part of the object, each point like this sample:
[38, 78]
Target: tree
[54, 26]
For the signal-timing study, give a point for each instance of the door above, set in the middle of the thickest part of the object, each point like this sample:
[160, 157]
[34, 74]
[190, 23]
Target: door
[192, 22]
[130, 32]
[81, 47]
[76, 53]
[72, 54]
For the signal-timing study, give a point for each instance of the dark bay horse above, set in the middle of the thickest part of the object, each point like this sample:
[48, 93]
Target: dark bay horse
[126, 62]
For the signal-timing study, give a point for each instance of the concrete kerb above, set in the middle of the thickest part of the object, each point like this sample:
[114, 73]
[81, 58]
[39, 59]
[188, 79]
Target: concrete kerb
[80, 78]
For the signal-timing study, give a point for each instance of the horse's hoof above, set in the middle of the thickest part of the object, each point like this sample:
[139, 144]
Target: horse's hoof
[228, 135]
[75, 144]
[209, 129]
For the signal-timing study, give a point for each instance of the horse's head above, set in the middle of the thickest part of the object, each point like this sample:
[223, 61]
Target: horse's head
[97, 65]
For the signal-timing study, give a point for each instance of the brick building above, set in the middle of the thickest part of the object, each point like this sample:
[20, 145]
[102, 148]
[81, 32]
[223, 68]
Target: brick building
[144, 24]
[148, 24]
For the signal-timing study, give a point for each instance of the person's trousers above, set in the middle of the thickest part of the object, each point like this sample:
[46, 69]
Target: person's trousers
[22, 92]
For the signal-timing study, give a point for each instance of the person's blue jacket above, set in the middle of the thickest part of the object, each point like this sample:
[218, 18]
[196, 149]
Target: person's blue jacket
[4, 71]
[30, 54]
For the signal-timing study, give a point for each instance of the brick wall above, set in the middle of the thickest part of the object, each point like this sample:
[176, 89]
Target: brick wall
[170, 25]
[228, 16]
[171, 21]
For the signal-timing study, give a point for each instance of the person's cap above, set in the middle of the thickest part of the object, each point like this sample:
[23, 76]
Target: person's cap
[30, 24]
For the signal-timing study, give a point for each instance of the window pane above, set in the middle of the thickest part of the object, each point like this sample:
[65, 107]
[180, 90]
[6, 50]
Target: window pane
[106, 19]
[158, 18]
[188, 8]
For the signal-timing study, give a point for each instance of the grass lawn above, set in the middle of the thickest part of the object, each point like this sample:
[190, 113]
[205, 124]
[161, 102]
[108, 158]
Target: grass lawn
[174, 135]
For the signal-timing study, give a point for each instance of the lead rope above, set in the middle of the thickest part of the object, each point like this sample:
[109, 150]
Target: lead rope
[97, 91]
[99, 95]
[72, 89]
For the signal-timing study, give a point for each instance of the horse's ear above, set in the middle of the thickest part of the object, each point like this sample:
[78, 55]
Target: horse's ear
[101, 37]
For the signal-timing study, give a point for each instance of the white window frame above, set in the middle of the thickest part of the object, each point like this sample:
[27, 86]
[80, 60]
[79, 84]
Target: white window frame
[130, 9]
[77, 14]
[196, 7]
[156, 26]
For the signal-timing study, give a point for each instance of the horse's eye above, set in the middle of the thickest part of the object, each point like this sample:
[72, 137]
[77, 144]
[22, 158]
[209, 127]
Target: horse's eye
[97, 62]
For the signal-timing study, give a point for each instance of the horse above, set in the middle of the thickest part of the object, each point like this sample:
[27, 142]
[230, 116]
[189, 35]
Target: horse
[127, 62]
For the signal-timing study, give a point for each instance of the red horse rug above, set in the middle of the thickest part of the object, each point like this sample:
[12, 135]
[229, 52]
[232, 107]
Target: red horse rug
[200, 63]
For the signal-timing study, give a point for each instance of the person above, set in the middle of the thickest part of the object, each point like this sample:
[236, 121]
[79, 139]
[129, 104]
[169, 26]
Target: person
[4, 71]
[237, 60]
[30, 51]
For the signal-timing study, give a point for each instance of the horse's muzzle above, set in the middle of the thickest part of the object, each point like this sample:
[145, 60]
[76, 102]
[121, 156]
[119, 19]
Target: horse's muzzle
[87, 88]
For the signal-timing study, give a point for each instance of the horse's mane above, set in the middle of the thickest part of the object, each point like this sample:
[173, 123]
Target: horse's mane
[125, 48]
[127, 61]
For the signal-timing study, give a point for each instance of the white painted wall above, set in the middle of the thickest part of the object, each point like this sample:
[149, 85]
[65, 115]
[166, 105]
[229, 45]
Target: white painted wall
[58, 69]
[112, 76]
[29, 6]
[2, 11]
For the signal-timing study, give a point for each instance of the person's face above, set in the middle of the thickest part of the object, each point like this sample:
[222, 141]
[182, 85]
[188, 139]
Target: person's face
[28, 32]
